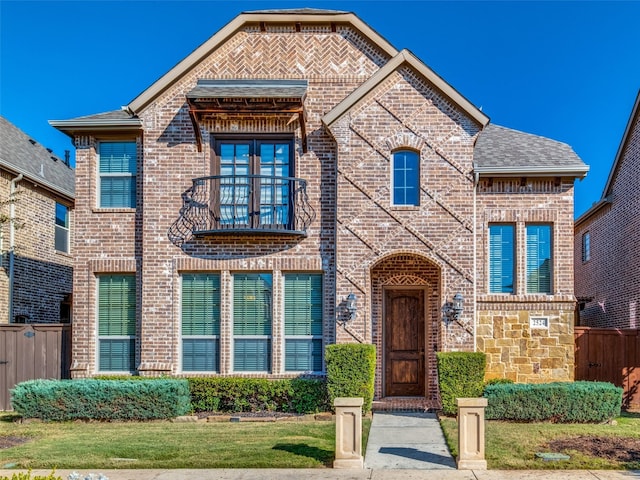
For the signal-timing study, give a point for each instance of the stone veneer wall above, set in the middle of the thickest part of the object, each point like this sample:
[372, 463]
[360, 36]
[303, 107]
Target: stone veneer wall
[514, 349]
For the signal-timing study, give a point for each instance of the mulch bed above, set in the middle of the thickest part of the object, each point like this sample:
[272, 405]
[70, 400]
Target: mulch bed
[620, 449]
[9, 441]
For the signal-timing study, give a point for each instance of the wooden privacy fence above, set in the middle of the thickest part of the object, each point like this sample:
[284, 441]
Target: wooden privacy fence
[32, 351]
[610, 355]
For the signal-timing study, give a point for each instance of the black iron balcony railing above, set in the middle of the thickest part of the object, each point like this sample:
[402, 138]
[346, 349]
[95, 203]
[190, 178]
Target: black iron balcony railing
[228, 204]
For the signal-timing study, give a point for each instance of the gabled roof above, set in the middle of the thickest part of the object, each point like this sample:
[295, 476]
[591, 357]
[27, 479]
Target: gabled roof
[115, 120]
[506, 152]
[405, 57]
[623, 145]
[20, 154]
[306, 15]
[605, 200]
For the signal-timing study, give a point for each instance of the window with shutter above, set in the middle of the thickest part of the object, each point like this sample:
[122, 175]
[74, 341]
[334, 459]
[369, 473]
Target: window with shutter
[201, 322]
[501, 258]
[116, 322]
[117, 174]
[252, 319]
[539, 259]
[303, 322]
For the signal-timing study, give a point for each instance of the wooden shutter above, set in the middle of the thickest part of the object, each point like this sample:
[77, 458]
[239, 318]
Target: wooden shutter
[116, 318]
[303, 304]
[538, 259]
[501, 259]
[252, 304]
[201, 318]
[252, 313]
[303, 317]
[118, 174]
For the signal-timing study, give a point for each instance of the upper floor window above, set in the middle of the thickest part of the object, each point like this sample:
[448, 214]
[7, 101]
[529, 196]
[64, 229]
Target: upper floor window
[501, 258]
[586, 246]
[539, 268]
[406, 178]
[117, 174]
[61, 241]
[255, 185]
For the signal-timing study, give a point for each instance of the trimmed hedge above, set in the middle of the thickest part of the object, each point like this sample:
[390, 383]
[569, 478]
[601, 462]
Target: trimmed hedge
[101, 399]
[234, 394]
[460, 375]
[561, 402]
[351, 372]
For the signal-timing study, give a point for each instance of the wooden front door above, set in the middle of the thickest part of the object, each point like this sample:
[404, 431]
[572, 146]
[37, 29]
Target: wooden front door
[404, 342]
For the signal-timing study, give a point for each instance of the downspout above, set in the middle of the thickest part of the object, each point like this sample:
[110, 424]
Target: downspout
[12, 231]
[476, 180]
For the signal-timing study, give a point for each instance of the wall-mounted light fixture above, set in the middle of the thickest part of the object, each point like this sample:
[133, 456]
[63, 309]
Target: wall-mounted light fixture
[350, 306]
[453, 310]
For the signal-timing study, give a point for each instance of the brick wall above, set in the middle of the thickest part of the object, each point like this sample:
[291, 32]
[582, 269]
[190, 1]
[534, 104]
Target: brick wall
[358, 240]
[612, 276]
[42, 276]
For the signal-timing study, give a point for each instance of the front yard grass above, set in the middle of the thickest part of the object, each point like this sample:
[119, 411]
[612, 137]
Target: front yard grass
[512, 446]
[163, 444]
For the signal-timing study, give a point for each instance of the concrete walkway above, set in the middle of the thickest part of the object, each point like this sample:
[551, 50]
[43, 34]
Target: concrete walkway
[406, 446]
[407, 440]
[328, 473]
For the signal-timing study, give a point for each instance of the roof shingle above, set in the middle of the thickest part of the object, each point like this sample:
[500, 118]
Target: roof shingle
[503, 150]
[20, 153]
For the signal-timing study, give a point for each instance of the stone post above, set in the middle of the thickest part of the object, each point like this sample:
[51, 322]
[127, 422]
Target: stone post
[471, 433]
[348, 433]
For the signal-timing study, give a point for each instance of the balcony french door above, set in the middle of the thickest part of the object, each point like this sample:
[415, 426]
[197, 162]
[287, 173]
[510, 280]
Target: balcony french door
[255, 186]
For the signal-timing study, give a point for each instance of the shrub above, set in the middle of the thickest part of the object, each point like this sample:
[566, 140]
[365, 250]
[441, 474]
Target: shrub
[27, 476]
[234, 394]
[460, 375]
[351, 372]
[498, 381]
[101, 399]
[562, 402]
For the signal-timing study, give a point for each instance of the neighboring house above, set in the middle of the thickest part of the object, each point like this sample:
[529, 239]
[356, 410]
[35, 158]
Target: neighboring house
[37, 192]
[607, 242]
[296, 181]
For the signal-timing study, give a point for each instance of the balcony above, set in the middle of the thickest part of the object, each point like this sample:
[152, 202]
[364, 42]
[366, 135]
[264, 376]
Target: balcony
[243, 204]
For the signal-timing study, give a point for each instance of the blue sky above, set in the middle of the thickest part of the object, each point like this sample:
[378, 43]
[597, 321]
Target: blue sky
[565, 70]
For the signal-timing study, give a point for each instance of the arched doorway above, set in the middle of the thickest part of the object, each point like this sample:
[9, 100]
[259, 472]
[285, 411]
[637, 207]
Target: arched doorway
[405, 291]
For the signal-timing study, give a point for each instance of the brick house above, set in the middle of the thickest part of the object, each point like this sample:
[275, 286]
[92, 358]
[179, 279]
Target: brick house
[607, 242]
[296, 181]
[36, 266]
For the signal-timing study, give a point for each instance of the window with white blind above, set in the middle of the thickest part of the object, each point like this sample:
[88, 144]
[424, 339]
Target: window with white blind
[61, 240]
[586, 246]
[116, 322]
[539, 268]
[117, 173]
[501, 258]
[252, 320]
[201, 322]
[303, 322]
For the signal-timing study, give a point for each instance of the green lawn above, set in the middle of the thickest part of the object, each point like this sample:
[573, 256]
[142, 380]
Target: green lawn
[81, 445]
[514, 445]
